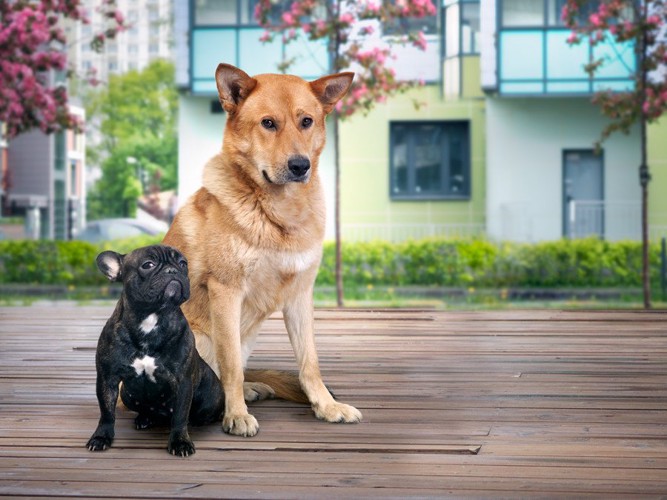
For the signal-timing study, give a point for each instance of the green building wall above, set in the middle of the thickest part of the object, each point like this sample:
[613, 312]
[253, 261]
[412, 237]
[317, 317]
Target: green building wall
[367, 211]
[657, 162]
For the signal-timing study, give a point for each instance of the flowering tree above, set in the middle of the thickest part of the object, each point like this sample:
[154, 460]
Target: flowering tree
[642, 23]
[32, 49]
[352, 30]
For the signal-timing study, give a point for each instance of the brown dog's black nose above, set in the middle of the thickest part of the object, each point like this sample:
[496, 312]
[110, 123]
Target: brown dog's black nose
[298, 165]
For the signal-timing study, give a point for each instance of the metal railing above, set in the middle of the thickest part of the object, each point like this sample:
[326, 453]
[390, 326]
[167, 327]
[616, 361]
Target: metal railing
[401, 232]
[617, 220]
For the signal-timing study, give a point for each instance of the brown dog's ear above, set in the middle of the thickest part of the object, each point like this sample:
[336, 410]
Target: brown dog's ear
[110, 263]
[330, 89]
[233, 84]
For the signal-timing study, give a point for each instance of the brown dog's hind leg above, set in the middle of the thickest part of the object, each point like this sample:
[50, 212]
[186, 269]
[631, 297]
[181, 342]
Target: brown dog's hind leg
[257, 391]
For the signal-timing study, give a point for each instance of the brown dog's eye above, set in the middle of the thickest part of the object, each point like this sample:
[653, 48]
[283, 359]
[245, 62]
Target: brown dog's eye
[268, 124]
[306, 122]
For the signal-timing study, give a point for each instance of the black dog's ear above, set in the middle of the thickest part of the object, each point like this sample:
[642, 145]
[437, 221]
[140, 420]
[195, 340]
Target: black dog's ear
[110, 263]
[233, 85]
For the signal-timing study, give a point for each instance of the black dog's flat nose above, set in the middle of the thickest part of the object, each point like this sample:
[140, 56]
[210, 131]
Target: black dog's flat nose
[298, 165]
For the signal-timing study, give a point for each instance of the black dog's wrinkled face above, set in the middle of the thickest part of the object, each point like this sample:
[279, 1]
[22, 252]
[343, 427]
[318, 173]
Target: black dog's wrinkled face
[153, 277]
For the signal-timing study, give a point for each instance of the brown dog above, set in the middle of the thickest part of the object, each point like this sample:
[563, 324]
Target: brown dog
[253, 238]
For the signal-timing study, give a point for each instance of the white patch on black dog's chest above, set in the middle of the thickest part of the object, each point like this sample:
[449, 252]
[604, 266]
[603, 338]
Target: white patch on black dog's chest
[145, 365]
[149, 324]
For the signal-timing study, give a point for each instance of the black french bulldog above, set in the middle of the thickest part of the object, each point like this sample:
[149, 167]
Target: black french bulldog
[147, 345]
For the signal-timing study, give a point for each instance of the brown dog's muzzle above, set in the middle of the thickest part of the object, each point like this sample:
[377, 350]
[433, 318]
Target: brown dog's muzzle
[299, 168]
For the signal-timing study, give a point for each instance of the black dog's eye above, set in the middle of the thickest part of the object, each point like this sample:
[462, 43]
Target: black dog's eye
[149, 264]
[306, 122]
[183, 263]
[268, 124]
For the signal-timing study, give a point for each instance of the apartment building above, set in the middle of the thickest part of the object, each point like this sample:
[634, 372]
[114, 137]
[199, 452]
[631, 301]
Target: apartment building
[501, 145]
[149, 37]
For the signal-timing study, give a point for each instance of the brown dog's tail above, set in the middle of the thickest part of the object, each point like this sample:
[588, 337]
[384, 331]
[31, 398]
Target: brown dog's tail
[285, 384]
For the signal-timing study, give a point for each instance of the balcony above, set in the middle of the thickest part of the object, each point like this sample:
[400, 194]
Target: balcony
[241, 46]
[541, 62]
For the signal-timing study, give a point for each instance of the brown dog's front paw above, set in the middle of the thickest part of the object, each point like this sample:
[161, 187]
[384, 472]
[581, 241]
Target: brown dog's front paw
[240, 425]
[338, 413]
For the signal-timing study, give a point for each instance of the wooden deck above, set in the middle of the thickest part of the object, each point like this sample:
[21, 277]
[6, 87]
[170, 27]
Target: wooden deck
[483, 404]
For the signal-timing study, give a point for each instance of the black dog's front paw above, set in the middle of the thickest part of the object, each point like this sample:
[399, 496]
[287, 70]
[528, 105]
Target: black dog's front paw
[181, 446]
[99, 442]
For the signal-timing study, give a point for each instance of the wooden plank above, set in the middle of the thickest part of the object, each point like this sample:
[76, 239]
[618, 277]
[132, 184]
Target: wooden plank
[486, 404]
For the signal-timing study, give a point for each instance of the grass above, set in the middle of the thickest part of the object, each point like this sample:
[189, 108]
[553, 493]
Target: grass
[382, 297]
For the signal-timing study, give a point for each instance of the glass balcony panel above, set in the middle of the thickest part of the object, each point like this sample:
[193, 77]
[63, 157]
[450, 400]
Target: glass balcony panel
[311, 59]
[521, 55]
[256, 57]
[616, 86]
[209, 48]
[581, 87]
[563, 60]
[521, 88]
[619, 59]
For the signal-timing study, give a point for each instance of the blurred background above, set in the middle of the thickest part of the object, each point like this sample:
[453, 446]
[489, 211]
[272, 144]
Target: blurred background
[484, 171]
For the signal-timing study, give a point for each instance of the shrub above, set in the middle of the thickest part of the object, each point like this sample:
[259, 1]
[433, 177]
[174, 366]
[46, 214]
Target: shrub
[59, 262]
[479, 263]
[429, 262]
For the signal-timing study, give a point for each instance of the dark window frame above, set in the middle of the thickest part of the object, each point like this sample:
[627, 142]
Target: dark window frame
[445, 193]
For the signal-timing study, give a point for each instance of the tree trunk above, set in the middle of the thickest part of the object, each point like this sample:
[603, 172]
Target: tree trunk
[339, 259]
[644, 178]
[335, 50]
[644, 175]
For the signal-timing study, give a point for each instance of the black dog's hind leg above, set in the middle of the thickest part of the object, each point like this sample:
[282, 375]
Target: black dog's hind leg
[143, 421]
[107, 395]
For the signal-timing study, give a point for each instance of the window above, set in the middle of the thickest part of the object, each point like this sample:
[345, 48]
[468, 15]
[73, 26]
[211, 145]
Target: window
[215, 12]
[522, 13]
[428, 25]
[429, 160]
[235, 12]
[462, 28]
[470, 28]
[533, 13]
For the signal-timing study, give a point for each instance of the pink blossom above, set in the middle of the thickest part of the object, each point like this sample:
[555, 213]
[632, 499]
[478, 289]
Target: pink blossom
[654, 20]
[373, 7]
[420, 41]
[347, 18]
[288, 18]
[595, 20]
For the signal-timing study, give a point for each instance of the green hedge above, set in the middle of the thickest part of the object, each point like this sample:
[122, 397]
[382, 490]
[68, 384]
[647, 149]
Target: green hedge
[429, 262]
[480, 263]
[59, 262]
